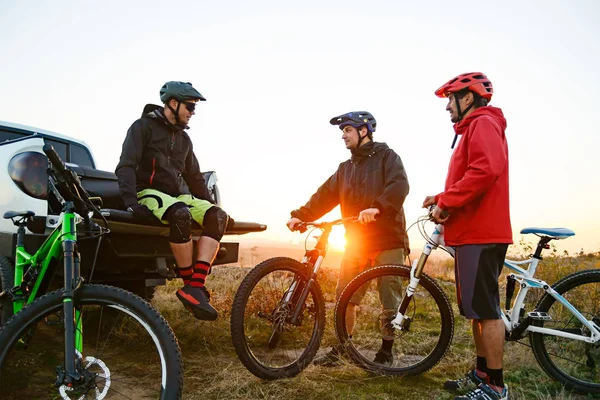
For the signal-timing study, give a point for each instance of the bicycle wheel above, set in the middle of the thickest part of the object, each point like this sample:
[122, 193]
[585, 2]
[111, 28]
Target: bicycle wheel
[265, 340]
[574, 363]
[129, 350]
[417, 348]
[7, 281]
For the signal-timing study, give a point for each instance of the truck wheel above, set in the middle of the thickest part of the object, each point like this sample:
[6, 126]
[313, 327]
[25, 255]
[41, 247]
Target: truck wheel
[7, 281]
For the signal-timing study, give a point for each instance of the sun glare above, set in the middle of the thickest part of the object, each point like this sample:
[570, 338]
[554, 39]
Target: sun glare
[337, 239]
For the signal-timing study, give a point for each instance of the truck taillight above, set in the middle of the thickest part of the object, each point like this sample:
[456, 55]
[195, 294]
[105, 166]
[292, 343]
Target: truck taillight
[28, 172]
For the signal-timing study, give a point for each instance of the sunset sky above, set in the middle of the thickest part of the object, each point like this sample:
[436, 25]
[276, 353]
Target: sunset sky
[275, 72]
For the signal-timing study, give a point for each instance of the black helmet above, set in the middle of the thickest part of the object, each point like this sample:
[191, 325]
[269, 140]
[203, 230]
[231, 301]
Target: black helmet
[179, 91]
[355, 119]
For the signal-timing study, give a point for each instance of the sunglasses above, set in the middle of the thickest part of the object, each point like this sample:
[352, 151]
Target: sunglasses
[190, 106]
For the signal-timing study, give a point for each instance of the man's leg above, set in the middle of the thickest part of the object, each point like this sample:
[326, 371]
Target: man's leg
[214, 222]
[390, 294]
[349, 268]
[477, 270]
[492, 344]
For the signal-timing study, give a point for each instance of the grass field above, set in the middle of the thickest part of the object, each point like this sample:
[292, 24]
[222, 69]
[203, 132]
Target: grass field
[213, 371]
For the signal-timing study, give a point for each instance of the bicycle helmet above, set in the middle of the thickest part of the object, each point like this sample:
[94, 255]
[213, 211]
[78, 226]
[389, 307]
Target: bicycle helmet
[179, 91]
[355, 119]
[476, 82]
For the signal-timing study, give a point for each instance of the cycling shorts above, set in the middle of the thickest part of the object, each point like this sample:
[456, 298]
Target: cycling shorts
[477, 269]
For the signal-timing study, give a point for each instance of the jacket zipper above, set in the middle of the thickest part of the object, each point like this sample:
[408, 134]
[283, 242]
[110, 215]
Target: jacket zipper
[172, 147]
[153, 170]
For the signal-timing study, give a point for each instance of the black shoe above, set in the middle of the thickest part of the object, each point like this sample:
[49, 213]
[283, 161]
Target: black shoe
[469, 381]
[384, 358]
[484, 392]
[195, 299]
[333, 358]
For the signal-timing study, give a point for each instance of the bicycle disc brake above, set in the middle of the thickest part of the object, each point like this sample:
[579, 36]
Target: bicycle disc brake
[89, 379]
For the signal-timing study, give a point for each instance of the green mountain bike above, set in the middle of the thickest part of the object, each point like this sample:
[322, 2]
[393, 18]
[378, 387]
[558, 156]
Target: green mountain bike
[128, 350]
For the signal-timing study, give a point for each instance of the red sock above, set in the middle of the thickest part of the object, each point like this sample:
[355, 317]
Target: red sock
[200, 271]
[186, 274]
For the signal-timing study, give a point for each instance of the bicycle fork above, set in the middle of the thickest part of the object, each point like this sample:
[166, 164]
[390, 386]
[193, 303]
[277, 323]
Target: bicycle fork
[71, 317]
[303, 288]
[401, 321]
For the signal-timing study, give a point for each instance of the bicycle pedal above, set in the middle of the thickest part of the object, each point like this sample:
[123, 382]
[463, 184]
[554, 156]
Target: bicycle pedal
[539, 316]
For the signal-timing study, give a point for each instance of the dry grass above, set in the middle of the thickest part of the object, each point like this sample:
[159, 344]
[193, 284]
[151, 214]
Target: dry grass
[212, 370]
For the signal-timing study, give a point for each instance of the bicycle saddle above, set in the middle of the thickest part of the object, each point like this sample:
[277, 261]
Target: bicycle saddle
[557, 233]
[12, 214]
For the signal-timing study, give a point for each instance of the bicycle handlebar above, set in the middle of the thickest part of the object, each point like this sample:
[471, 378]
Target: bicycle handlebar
[55, 159]
[302, 226]
[76, 190]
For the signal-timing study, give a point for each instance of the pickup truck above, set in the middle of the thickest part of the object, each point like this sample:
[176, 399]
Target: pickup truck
[135, 255]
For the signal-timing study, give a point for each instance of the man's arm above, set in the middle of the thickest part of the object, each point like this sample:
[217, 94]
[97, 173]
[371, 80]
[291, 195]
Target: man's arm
[131, 155]
[320, 203]
[194, 179]
[396, 188]
[487, 160]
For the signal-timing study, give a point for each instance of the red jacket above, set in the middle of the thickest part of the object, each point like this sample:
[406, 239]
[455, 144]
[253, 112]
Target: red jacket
[476, 192]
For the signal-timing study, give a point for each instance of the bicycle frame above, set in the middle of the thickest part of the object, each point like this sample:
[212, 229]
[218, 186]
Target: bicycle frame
[38, 264]
[524, 276]
[60, 244]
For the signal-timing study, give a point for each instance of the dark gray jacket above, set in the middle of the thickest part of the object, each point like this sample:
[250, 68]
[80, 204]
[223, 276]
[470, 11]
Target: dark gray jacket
[373, 178]
[159, 155]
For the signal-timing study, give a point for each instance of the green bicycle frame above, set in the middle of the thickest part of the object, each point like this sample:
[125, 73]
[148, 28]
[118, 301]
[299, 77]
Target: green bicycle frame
[53, 249]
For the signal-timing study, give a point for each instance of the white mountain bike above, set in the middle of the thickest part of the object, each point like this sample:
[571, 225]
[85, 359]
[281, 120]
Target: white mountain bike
[563, 327]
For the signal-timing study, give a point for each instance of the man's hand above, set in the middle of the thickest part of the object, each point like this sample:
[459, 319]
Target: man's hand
[440, 216]
[291, 224]
[429, 201]
[368, 215]
[141, 212]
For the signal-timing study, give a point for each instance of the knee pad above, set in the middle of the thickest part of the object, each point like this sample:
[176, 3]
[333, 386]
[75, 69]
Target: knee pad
[180, 220]
[215, 223]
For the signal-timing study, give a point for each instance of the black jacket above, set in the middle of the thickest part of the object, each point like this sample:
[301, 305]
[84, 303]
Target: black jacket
[373, 178]
[159, 155]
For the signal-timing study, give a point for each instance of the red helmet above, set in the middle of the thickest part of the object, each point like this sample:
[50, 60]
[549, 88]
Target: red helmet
[476, 82]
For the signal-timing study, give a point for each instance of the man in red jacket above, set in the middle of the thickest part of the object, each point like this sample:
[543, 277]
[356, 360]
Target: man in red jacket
[474, 208]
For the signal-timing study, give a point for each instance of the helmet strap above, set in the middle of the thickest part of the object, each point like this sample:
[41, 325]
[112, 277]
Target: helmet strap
[175, 111]
[361, 138]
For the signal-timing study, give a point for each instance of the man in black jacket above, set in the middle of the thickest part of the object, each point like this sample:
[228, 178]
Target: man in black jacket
[159, 177]
[371, 185]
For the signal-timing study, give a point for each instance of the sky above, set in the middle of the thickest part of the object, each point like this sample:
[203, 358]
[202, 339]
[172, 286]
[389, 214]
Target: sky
[275, 72]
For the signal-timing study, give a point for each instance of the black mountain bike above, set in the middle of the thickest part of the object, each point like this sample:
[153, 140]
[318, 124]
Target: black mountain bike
[128, 349]
[278, 314]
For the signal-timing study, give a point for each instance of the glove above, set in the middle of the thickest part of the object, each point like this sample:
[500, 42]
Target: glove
[141, 212]
[230, 224]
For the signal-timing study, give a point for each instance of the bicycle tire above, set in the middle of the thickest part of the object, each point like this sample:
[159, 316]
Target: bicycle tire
[546, 348]
[7, 281]
[406, 361]
[244, 342]
[125, 316]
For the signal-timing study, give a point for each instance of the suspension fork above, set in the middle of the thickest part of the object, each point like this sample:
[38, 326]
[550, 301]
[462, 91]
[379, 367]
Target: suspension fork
[401, 321]
[71, 266]
[303, 288]
[415, 276]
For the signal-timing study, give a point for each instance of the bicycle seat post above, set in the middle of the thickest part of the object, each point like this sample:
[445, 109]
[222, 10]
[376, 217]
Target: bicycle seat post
[20, 223]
